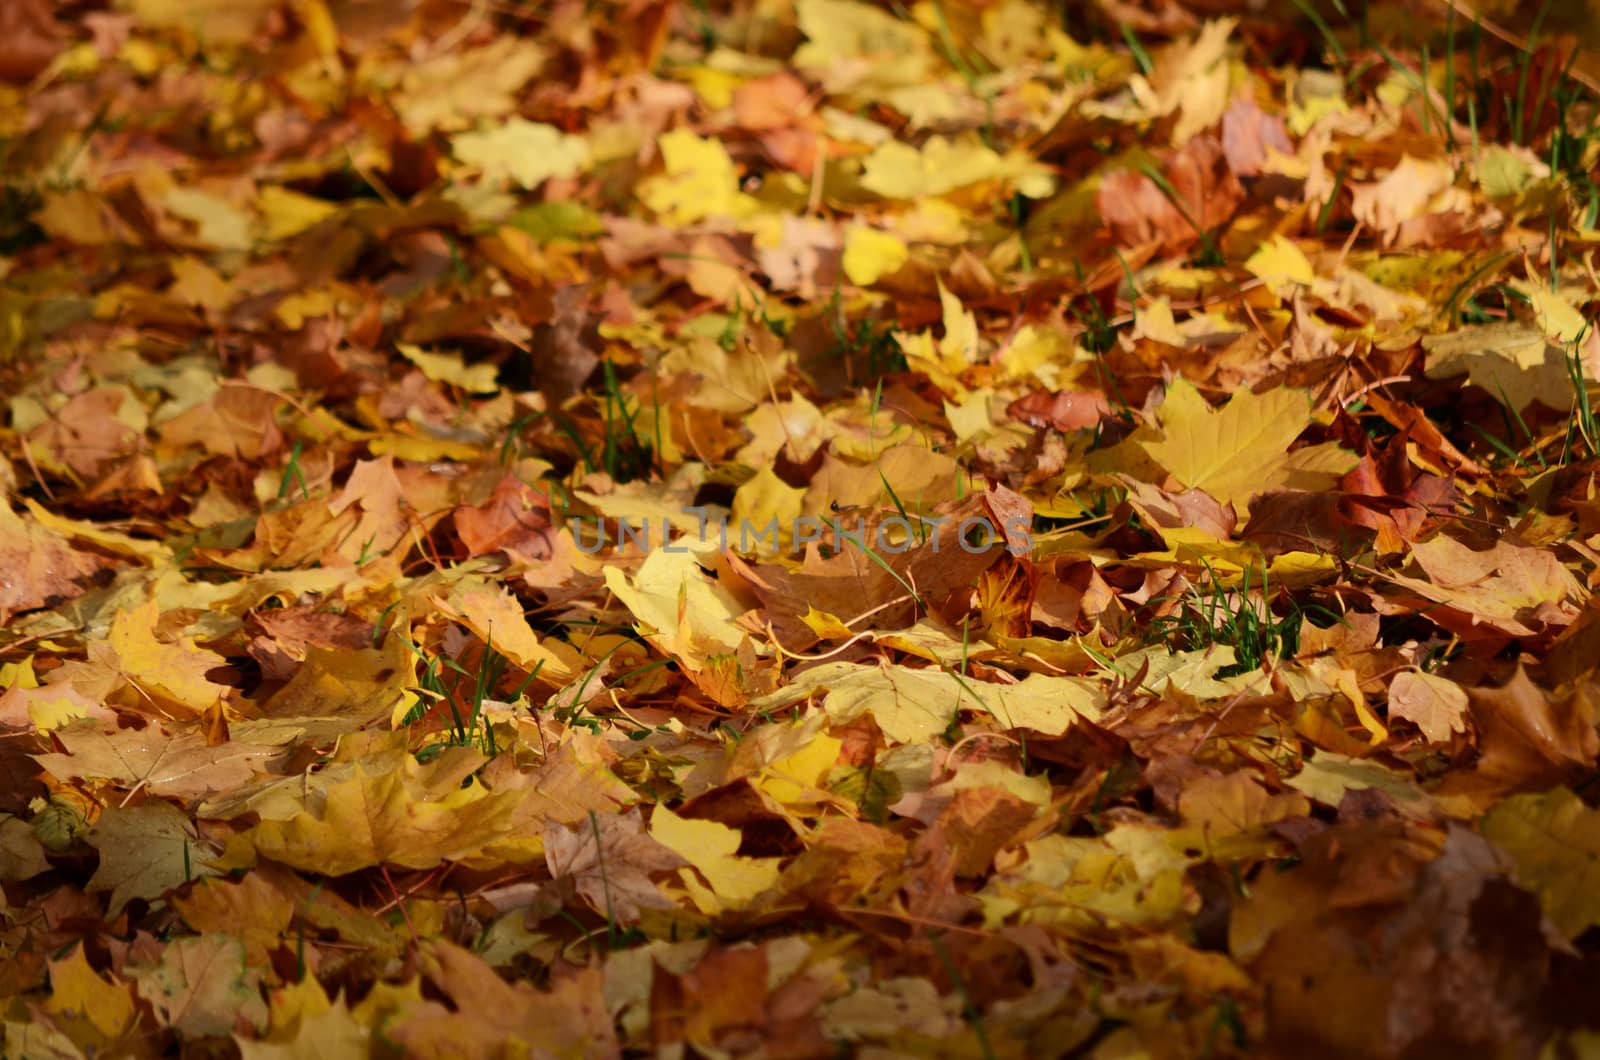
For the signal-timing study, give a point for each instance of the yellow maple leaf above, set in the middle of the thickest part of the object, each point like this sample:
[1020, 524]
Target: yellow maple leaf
[1554, 312]
[1437, 705]
[1130, 875]
[218, 223]
[214, 21]
[174, 675]
[369, 819]
[495, 616]
[712, 848]
[285, 212]
[691, 616]
[870, 255]
[1555, 841]
[1513, 362]
[943, 360]
[854, 46]
[913, 705]
[700, 181]
[525, 152]
[1512, 588]
[1243, 448]
[448, 368]
[1281, 264]
[764, 511]
[826, 624]
[450, 88]
[97, 1010]
[896, 170]
[800, 758]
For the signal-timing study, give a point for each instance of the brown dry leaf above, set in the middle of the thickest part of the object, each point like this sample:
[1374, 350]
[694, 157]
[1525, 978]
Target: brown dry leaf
[719, 1001]
[1063, 410]
[41, 567]
[1139, 212]
[375, 491]
[1509, 588]
[1406, 192]
[146, 851]
[1528, 737]
[202, 987]
[608, 861]
[571, 783]
[1456, 947]
[166, 763]
[85, 434]
[32, 39]
[250, 908]
[490, 1017]
[237, 422]
[288, 633]
[495, 616]
[515, 519]
[22, 855]
[977, 824]
[1249, 134]
[1437, 705]
[1235, 806]
[330, 1032]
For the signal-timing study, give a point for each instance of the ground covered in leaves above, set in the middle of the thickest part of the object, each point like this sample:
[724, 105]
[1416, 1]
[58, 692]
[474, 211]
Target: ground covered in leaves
[797, 529]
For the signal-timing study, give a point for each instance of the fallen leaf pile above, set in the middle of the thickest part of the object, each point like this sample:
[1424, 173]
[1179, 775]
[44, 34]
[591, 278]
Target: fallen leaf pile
[798, 528]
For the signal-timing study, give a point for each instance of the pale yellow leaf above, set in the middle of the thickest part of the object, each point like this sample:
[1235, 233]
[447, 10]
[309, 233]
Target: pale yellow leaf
[1554, 838]
[1437, 705]
[1281, 264]
[870, 254]
[523, 152]
[712, 848]
[285, 213]
[700, 181]
[1234, 452]
[448, 368]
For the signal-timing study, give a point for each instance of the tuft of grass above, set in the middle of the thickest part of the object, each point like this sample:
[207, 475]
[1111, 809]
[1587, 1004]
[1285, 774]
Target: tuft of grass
[1512, 418]
[1240, 619]
[1450, 76]
[622, 451]
[872, 346]
[1419, 85]
[1582, 423]
[1525, 57]
[872, 426]
[1464, 308]
[1099, 335]
[512, 447]
[435, 686]
[625, 453]
[292, 473]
